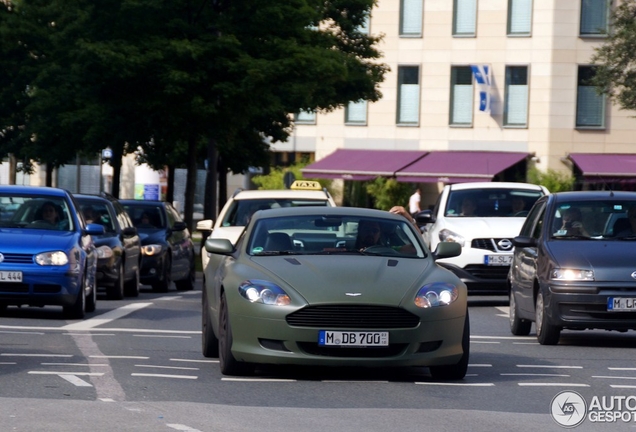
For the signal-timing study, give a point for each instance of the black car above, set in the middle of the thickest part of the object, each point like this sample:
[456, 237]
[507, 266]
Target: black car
[118, 249]
[574, 265]
[167, 249]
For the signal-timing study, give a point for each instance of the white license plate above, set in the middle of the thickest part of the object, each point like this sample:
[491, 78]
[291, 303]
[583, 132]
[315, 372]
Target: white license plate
[618, 304]
[498, 260]
[10, 276]
[353, 338]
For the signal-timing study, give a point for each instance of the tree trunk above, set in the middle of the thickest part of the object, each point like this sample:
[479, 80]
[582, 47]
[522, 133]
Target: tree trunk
[171, 174]
[210, 200]
[222, 182]
[191, 183]
[115, 162]
[49, 175]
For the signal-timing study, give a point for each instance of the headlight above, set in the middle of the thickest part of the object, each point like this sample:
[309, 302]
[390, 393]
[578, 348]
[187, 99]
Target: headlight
[261, 291]
[104, 252]
[153, 249]
[57, 258]
[436, 294]
[566, 274]
[447, 235]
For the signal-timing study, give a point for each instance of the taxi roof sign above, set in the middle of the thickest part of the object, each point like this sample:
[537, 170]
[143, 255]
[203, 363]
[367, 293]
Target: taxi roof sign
[306, 185]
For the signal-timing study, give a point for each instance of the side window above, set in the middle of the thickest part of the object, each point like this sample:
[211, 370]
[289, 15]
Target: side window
[534, 221]
[122, 216]
[171, 217]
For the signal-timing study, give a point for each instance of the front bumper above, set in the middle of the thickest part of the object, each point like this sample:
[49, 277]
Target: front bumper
[581, 310]
[152, 269]
[42, 286]
[479, 277]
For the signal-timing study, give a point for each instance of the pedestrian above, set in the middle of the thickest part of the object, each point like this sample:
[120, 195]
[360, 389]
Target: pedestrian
[414, 202]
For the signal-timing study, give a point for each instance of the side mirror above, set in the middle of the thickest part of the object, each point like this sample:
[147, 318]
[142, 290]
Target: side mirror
[95, 229]
[447, 250]
[129, 232]
[424, 217]
[179, 226]
[219, 246]
[205, 225]
[524, 241]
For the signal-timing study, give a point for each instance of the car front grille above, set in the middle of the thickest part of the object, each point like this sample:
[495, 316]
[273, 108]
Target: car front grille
[15, 258]
[488, 272]
[23, 288]
[490, 244]
[353, 317]
[369, 352]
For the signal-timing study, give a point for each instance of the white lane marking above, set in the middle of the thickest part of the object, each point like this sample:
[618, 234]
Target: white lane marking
[503, 309]
[552, 385]
[95, 374]
[120, 357]
[164, 376]
[487, 342]
[479, 365]
[622, 368]
[166, 367]
[106, 317]
[456, 384]
[35, 355]
[258, 379]
[524, 338]
[107, 400]
[354, 381]
[194, 361]
[614, 377]
[88, 334]
[550, 366]
[534, 374]
[164, 336]
[17, 332]
[168, 298]
[525, 343]
[623, 386]
[181, 427]
[123, 330]
[73, 364]
[7, 363]
[76, 381]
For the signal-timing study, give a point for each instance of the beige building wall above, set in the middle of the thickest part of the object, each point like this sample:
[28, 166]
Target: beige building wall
[552, 53]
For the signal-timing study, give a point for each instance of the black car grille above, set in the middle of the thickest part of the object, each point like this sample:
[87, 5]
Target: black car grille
[353, 317]
[369, 352]
[23, 288]
[488, 272]
[15, 258]
[489, 244]
[14, 287]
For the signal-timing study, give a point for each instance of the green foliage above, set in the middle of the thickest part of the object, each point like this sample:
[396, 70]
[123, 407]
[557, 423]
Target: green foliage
[616, 72]
[553, 180]
[387, 193]
[275, 179]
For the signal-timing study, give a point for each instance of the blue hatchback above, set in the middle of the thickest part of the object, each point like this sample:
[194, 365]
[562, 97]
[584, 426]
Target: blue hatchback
[47, 255]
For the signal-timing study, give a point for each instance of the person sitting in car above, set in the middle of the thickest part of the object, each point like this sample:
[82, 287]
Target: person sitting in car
[572, 223]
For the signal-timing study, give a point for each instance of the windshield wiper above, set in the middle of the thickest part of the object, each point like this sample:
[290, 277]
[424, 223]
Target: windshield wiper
[273, 253]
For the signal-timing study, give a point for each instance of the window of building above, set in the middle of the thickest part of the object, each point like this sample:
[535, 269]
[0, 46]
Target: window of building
[356, 113]
[408, 95]
[461, 110]
[305, 117]
[519, 17]
[590, 106]
[516, 97]
[594, 17]
[411, 17]
[464, 17]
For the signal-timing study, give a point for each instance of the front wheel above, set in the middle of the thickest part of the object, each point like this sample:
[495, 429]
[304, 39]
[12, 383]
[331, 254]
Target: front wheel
[187, 284]
[116, 292]
[131, 288]
[458, 370]
[163, 285]
[229, 365]
[518, 326]
[91, 299]
[209, 342]
[78, 309]
[547, 334]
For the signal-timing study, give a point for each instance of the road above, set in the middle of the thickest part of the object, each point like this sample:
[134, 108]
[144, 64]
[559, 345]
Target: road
[136, 365]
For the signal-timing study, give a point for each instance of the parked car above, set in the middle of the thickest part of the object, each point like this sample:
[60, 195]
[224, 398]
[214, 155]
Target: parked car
[167, 251]
[244, 203]
[47, 254]
[574, 265]
[118, 249]
[483, 218]
[334, 286]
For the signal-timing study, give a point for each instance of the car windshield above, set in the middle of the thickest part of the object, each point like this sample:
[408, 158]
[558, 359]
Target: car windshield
[327, 235]
[242, 210]
[602, 219]
[32, 211]
[147, 216]
[503, 202]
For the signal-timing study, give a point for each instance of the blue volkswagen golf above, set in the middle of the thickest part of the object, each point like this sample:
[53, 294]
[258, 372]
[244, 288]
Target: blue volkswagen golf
[47, 255]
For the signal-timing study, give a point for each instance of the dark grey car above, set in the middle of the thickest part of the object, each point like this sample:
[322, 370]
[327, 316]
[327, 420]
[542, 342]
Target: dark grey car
[574, 265]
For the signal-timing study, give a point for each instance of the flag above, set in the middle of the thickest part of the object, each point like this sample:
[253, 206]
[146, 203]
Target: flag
[483, 79]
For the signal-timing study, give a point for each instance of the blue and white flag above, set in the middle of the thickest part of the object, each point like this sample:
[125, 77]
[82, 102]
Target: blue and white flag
[483, 79]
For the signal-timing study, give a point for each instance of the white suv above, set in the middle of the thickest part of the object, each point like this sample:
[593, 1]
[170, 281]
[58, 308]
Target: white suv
[244, 203]
[485, 233]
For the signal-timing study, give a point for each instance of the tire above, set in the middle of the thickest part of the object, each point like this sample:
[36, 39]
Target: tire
[164, 284]
[458, 370]
[229, 365]
[78, 309]
[209, 342]
[91, 299]
[116, 292]
[547, 334]
[187, 284]
[518, 326]
[131, 288]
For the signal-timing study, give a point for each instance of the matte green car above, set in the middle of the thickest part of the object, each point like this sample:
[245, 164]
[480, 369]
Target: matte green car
[331, 286]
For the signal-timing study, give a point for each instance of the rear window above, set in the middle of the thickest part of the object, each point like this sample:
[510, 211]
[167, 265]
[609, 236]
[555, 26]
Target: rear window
[242, 210]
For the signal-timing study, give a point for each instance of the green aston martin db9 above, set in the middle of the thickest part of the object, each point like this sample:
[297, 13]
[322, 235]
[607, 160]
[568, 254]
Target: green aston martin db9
[334, 286]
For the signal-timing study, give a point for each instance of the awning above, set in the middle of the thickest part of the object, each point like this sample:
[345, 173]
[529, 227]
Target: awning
[354, 164]
[605, 167]
[459, 166]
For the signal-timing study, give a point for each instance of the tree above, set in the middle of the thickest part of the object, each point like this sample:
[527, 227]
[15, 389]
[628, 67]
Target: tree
[616, 64]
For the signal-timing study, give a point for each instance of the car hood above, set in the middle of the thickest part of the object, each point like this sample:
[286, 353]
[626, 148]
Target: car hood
[152, 237]
[35, 241]
[610, 260]
[491, 227]
[347, 278]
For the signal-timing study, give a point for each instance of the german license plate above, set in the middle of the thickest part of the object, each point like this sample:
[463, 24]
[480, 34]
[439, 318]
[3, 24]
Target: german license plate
[352, 338]
[498, 260]
[619, 304]
[10, 276]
